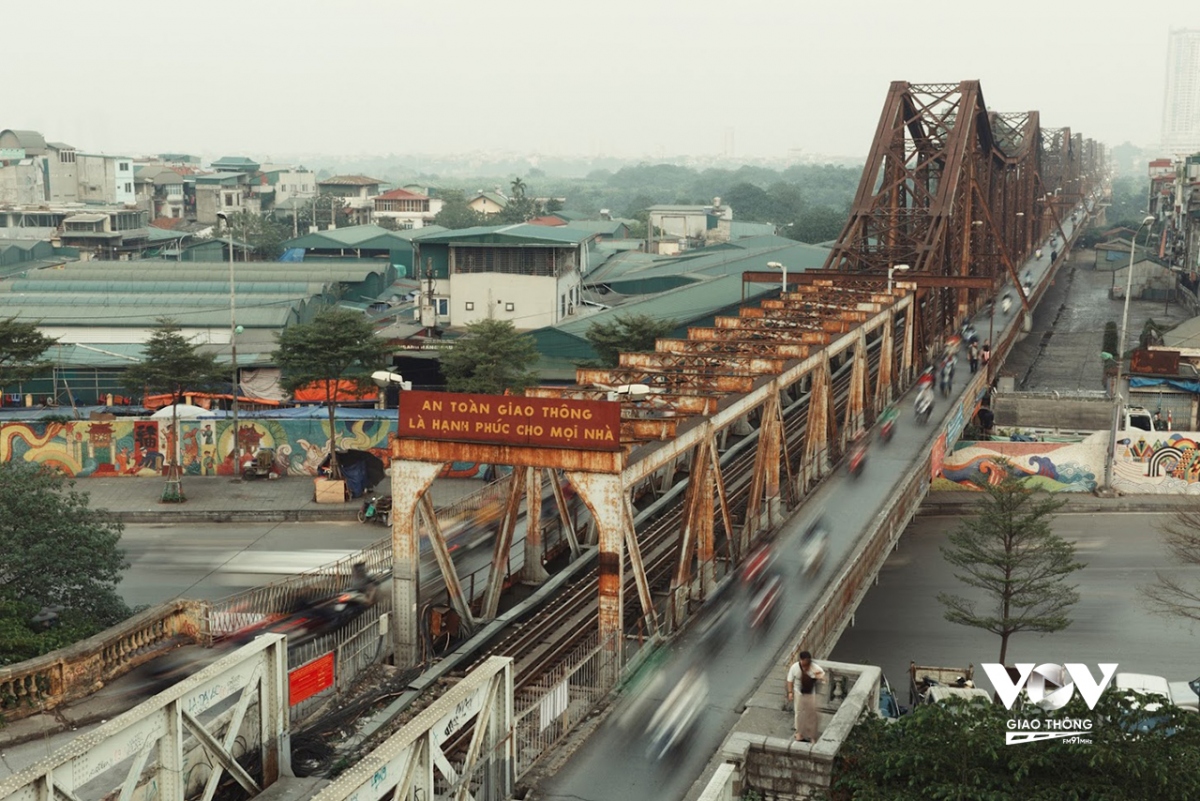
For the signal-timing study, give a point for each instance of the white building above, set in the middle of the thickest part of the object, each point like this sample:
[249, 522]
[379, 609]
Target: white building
[1181, 100]
[407, 209]
[530, 275]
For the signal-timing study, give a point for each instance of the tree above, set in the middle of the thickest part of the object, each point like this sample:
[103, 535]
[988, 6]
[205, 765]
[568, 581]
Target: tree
[518, 188]
[952, 752]
[265, 235]
[173, 364]
[1010, 552]
[55, 551]
[816, 224]
[490, 358]
[338, 345]
[455, 212]
[21, 349]
[1170, 594]
[627, 333]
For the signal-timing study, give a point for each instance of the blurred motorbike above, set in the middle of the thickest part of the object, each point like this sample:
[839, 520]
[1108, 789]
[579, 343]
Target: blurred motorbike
[765, 603]
[813, 547]
[674, 719]
[887, 425]
[858, 457]
[377, 508]
[923, 407]
[758, 565]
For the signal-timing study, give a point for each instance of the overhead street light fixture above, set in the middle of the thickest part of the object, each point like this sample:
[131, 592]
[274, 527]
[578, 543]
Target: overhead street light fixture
[896, 268]
[774, 265]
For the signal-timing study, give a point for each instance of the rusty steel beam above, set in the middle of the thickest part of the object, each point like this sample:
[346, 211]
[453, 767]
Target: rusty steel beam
[910, 279]
[503, 544]
[657, 403]
[695, 526]
[885, 380]
[533, 571]
[805, 332]
[437, 543]
[410, 481]
[606, 498]
[664, 378]
[564, 514]
[856, 404]
[705, 364]
[649, 613]
[761, 348]
[821, 429]
[562, 458]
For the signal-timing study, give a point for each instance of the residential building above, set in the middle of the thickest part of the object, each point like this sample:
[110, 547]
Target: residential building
[159, 190]
[407, 209]
[1181, 98]
[358, 191]
[235, 164]
[689, 226]
[488, 203]
[224, 193]
[530, 275]
[290, 182]
[68, 176]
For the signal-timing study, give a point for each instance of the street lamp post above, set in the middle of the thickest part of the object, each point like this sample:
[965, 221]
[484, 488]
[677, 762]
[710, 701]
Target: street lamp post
[897, 268]
[774, 265]
[233, 331]
[1120, 356]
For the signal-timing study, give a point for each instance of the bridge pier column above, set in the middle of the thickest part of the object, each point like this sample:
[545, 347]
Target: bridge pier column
[410, 481]
[533, 572]
[604, 495]
[884, 381]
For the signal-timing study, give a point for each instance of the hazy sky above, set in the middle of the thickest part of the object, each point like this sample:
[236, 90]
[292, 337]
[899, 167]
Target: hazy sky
[620, 77]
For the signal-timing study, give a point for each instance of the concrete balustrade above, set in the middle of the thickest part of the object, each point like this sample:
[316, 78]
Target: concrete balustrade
[70, 673]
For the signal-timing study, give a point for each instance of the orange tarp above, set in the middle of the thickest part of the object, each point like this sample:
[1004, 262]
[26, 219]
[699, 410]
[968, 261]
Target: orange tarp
[346, 391]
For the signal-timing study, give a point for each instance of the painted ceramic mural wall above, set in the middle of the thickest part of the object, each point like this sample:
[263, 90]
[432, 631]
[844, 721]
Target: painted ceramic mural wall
[132, 447]
[1048, 466]
[1157, 462]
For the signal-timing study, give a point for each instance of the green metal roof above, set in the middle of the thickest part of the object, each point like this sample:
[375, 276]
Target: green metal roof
[366, 237]
[518, 234]
[220, 178]
[139, 316]
[293, 288]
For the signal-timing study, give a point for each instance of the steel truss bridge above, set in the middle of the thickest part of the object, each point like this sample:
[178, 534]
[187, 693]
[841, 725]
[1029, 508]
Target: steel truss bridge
[729, 430]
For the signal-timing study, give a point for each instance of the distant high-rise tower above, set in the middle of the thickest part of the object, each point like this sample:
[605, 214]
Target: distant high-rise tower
[1181, 101]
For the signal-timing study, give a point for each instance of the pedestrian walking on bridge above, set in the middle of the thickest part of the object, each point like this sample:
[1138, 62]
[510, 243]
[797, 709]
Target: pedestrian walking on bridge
[973, 356]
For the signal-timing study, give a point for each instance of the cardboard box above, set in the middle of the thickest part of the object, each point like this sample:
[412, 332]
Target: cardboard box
[326, 491]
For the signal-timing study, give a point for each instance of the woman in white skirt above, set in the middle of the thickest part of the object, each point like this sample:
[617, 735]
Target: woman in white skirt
[802, 678]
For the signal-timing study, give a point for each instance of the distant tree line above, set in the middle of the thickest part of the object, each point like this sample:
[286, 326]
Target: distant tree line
[805, 202]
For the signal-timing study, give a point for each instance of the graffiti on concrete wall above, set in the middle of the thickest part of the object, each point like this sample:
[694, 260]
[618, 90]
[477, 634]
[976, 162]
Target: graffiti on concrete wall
[1047, 466]
[1153, 462]
[132, 447]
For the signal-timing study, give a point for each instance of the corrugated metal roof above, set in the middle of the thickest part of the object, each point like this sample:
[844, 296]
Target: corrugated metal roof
[140, 316]
[35, 285]
[355, 236]
[517, 234]
[350, 180]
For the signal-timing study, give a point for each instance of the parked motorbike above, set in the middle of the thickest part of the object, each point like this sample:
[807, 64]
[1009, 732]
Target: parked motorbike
[377, 508]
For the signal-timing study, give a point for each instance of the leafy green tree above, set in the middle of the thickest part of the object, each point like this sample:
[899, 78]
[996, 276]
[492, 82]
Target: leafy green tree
[173, 364]
[815, 225]
[1010, 553]
[21, 349]
[55, 551]
[490, 358]
[627, 333]
[518, 188]
[455, 213]
[264, 234]
[338, 345]
[956, 752]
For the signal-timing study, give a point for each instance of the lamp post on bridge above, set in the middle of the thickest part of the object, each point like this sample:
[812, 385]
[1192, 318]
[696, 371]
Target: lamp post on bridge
[1120, 354]
[774, 265]
[896, 268]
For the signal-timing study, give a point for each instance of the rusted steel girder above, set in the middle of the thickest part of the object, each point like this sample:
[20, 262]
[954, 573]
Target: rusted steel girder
[503, 544]
[808, 332]
[856, 404]
[821, 429]
[564, 513]
[885, 381]
[649, 613]
[703, 363]
[757, 348]
[696, 531]
[667, 378]
[844, 322]
[437, 542]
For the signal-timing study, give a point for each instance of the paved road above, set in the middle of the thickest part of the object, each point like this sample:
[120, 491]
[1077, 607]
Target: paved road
[740, 667]
[901, 620]
[210, 561]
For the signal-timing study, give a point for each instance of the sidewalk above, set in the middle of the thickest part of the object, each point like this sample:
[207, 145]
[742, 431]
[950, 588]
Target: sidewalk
[212, 499]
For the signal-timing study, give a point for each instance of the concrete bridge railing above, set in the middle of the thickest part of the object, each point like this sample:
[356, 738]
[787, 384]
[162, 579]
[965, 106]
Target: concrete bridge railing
[70, 673]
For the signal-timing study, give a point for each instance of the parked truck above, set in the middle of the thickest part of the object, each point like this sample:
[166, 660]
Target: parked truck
[922, 677]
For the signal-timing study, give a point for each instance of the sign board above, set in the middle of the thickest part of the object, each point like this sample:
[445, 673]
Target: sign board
[310, 678]
[1155, 362]
[510, 420]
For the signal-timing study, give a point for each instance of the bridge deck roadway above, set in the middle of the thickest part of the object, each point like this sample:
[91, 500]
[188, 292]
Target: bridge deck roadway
[747, 673]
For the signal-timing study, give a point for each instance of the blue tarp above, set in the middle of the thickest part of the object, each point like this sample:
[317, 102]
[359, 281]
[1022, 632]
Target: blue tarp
[356, 478]
[293, 254]
[1181, 384]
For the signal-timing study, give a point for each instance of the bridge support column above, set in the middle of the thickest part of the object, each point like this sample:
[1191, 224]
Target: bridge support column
[410, 482]
[856, 403]
[533, 571]
[821, 428]
[696, 535]
[885, 380]
[604, 495]
[907, 360]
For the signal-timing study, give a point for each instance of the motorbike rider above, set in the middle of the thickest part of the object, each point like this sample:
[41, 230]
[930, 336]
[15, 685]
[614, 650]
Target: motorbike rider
[924, 402]
[362, 587]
